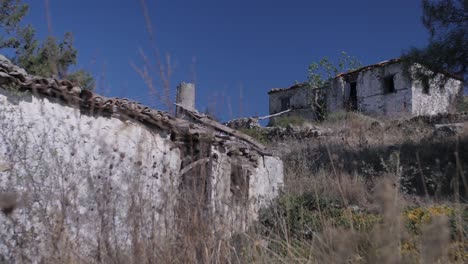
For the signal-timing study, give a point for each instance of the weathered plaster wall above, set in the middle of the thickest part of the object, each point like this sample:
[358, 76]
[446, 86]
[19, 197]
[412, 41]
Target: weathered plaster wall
[298, 97]
[336, 95]
[301, 101]
[371, 96]
[408, 98]
[442, 96]
[235, 189]
[68, 168]
[94, 176]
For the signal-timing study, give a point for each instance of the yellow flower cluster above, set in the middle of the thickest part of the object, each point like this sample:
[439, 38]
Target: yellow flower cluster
[408, 247]
[423, 215]
[365, 221]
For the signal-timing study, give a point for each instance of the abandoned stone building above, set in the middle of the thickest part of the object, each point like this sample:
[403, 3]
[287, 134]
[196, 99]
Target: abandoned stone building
[69, 153]
[386, 89]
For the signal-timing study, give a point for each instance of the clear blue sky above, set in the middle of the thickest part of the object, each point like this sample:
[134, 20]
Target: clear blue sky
[241, 48]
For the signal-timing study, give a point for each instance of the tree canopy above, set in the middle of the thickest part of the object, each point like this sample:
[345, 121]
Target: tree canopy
[51, 58]
[447, 23]
[321, 72]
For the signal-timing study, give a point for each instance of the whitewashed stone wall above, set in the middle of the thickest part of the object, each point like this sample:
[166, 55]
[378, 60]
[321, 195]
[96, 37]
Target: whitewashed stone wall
[89, 177]
[299, 97]
[408, 98]
[371, 96]
[442, 96]
[336, 95]
[231, 200]
[301, 101]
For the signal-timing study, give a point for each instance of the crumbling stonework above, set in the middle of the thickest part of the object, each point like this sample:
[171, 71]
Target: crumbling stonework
[300, 98]
[441, 96]
[385, 89]
[83, 168]
[369, 91]
[243, 123]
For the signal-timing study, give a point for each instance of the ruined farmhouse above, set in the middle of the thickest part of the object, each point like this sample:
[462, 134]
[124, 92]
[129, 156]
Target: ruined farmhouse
[390, 88]
[70, 154]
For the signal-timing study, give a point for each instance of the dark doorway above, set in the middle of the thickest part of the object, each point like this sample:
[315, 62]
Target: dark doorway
[389, 84]
[285, 103]
[352, 103]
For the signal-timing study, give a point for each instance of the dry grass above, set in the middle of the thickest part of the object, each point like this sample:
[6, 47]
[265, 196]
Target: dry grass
[329, 215]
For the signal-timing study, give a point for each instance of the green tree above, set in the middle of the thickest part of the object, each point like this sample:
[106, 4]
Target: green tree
[320, 73]
[11, 13]
[51, 58]
[447, 23]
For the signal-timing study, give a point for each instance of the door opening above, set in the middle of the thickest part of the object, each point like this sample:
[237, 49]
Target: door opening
[352, 101]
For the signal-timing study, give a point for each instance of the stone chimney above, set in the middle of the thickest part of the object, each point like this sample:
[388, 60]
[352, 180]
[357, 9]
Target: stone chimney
[185, 98]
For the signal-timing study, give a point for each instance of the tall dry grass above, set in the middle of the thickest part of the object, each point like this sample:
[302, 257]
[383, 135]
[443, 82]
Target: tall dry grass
[326, 216]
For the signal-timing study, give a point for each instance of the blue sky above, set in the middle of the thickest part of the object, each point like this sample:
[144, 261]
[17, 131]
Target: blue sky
[236, 50]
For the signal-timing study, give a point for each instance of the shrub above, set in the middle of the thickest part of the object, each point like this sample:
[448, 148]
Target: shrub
[258, 134]
[284, 121]
[463, 105]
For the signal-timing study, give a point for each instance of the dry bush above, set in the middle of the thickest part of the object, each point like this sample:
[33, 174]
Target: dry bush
[351, 188]
[312, 221]
[388, 238]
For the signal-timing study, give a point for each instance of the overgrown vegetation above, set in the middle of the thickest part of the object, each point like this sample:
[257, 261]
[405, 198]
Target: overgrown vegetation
[328, 212]
[284, 121]
[350, 202]
[258, 134]
[321, 73]
[370, 192]
[463, 106]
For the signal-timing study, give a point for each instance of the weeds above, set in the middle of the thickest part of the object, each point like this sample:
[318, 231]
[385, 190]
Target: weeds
[73, 194]
[284, 121]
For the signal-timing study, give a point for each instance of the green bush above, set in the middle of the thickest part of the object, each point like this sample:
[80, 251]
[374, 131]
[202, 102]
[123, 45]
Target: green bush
[305, 214]
[257, 134]
[463, 106]
[344, 115]
[284, 121]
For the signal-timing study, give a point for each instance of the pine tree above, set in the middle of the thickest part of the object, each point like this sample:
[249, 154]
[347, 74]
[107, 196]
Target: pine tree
[48, 59]
[447, 23]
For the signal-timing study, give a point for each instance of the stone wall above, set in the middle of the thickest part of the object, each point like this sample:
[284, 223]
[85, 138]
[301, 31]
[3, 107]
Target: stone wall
[336, 95]
[371, 96]
[441, 95]
[94, 179]
[70, 168]
[299, 97]
[408, 97]
[301, 102]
